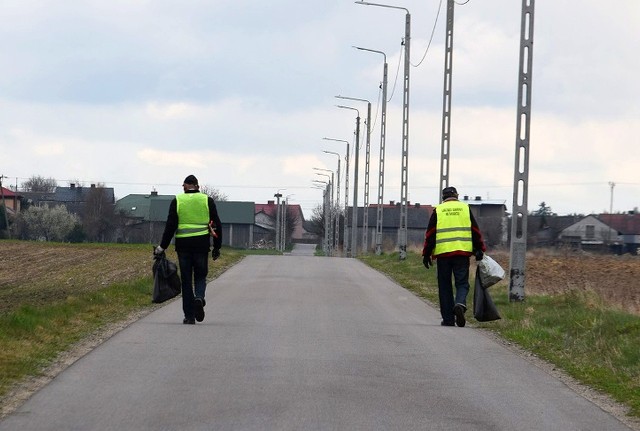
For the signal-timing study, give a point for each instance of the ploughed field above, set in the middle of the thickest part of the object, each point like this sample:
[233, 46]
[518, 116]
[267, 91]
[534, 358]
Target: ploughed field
[615, 280]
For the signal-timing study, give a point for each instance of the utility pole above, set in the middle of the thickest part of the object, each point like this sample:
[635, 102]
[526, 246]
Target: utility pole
[345, 247]
[383, 131]
[278, 195]
[446, 103]
[352, 251]
[521, 169]
[365, 216]
[404, 185]
[335, 211]
[612, 185]
[4, 204]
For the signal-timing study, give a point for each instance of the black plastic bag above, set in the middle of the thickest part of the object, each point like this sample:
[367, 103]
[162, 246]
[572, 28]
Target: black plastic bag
[166, 281]
[484, 310]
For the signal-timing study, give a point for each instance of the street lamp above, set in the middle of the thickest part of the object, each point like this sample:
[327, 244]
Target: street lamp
[278, 195]
[326, 205]
[337, 206]
[346, 193]
[402, 231]
[285, 209]
[353, 250]
[329, 222]
[383, 133]
[365, 215]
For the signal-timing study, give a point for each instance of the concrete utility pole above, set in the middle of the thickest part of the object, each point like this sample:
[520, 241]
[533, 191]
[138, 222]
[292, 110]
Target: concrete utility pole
[329, 223]
[612, 185]
[365, 216]
[336, 214]
[446, 103]
[352, 251]
[521, 171]
[4, 204]
[404, 186]
[383, 131]
[283, 243]
[278, 195]
[325, 208]
[345, 246]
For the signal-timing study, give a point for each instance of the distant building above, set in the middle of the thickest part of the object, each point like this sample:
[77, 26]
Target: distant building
[10, 200]
[619, 233]
[265, 220]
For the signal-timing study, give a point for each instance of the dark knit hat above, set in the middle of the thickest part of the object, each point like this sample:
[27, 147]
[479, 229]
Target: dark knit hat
[449, 192]
[192, 180]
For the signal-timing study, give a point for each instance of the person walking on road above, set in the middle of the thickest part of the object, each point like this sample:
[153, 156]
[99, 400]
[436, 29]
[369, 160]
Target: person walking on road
[193, 218]
[452, 236]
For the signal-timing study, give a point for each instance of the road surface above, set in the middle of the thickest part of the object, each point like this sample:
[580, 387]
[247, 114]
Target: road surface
[305, 343]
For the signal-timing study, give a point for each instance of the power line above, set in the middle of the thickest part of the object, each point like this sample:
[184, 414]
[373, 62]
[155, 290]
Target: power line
[431, 38]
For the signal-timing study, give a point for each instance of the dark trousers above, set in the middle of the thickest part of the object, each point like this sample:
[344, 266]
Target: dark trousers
[194, 268]
[458, 268]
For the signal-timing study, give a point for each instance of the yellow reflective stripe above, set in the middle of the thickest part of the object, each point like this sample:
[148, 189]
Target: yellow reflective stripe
[464, 239]
[454, 229]
[186, 230]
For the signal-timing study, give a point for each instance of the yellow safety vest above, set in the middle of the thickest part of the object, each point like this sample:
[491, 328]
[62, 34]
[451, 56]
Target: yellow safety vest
[193, 214]
[453, 228]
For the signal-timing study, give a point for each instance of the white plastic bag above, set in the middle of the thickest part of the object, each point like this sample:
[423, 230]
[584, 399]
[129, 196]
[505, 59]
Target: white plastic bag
[490, 271]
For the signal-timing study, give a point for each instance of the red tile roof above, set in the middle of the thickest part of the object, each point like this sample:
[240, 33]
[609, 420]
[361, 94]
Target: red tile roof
[8, 193]
[626, 224]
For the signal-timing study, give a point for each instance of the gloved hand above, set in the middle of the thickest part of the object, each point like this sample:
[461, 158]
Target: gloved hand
[426, 261]
[158, 251]
[215, 253]
[479, 255]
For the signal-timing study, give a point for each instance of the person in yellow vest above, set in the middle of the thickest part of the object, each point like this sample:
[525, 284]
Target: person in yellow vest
[452, 236]
[193, 218]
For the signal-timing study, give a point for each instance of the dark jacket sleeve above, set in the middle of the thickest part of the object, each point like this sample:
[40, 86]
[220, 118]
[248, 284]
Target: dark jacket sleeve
[430, 235]
[217, 224]
[476, 235]
[171, 226]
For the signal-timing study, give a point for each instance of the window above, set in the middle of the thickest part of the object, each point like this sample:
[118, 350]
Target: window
[591, 231]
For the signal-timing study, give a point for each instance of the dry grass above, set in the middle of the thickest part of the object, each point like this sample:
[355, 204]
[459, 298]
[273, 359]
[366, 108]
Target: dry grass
[614, 280]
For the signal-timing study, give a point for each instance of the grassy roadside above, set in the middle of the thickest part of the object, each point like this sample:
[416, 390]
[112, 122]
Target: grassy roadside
[48, 306]
[595, 344]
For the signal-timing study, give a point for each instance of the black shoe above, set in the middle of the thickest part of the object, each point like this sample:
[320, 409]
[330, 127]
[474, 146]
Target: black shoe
[458, 311]
[443, 323]
[189, 321]
[199, 305]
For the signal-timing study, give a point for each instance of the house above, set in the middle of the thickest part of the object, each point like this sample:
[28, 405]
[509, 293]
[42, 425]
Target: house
[10, 200]
[619, 233]
[544, 230]
[75, 196]
[144, 217]
[238, 221]
[492, 219]
[265, 220]
[628, 228]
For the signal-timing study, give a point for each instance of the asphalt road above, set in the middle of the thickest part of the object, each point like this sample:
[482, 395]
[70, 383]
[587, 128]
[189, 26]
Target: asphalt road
[305, 343]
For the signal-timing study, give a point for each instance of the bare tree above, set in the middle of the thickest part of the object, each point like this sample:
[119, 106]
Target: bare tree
[316, 222]
[39, 184]
[214, 193]
[293, 219]
[98, 216]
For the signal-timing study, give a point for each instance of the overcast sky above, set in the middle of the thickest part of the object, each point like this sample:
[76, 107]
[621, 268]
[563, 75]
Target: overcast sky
[137, 94]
